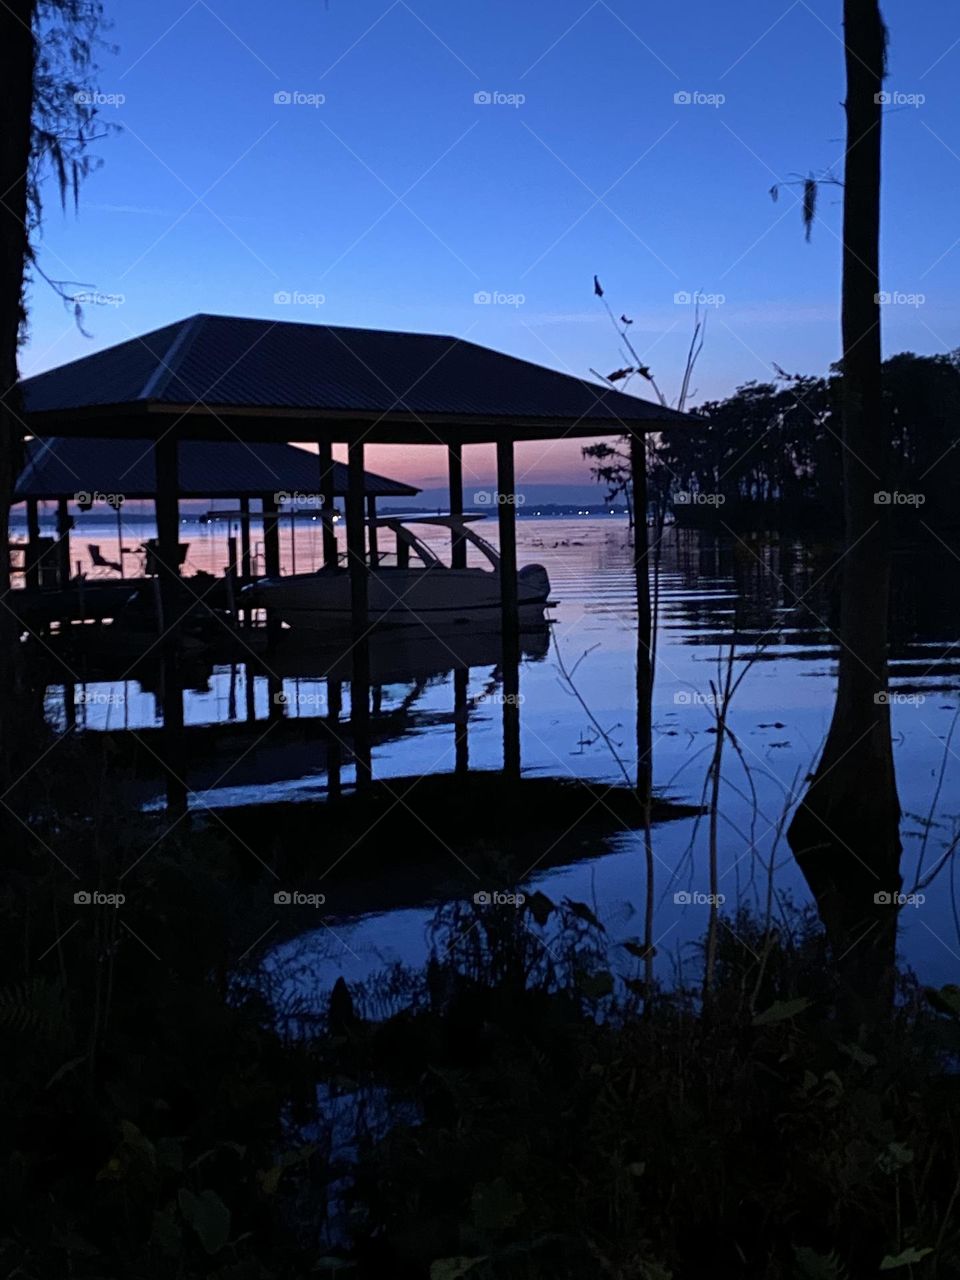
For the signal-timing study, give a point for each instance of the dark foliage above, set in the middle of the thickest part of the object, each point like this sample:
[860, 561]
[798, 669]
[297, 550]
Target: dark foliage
[560, 1132]
[773, 453]
[525, 1106]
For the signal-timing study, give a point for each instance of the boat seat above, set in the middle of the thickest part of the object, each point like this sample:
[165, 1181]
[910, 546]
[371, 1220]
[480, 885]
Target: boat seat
[99, 560]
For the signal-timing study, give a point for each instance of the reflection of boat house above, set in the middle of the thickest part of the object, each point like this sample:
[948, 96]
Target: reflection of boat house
[222, 378]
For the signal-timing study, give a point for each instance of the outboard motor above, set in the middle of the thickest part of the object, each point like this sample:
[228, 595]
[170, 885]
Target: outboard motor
[533, 585]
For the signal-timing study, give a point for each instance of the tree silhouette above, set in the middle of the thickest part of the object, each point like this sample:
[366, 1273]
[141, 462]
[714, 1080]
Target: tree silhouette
[49, 118]
[846, 832]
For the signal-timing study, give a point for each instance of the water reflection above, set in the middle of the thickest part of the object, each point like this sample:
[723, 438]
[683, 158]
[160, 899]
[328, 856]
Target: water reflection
[274, 727]
[283, 715]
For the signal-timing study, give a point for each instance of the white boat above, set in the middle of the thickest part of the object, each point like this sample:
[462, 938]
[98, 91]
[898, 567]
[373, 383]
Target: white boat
[403, 594]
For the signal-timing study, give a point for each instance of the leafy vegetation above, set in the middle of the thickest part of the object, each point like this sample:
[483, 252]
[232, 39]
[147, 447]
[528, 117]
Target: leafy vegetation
[773, 453]
[526, 1105]
[559, 1130]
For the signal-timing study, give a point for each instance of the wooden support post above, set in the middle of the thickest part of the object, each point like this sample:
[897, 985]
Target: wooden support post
[232, 585]
[461, 719]
[250, 691]
[276, 701]
[458, 544]
[167, 506]
[246, 562]
[246, 566]
[271, 555]
[123, 572]
[327, 491]
[372, 535]
[63, 545]
[271, 536]
[70, 704]
[509, 607]
[232, 692]
[32, 563]
[356, 543]
[359, 610]
[641, 570]
[334, 738]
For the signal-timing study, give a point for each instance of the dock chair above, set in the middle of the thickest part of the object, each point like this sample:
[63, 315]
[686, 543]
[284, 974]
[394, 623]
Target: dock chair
[152, 565]
[99, 560]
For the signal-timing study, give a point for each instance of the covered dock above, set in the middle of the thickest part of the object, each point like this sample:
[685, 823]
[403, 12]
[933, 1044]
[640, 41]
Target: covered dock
[267, 480]
[253, 381]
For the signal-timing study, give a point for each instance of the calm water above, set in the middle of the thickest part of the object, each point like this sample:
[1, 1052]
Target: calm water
[775, 595]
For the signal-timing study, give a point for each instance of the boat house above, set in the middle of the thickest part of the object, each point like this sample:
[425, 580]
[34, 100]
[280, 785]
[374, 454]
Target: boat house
[256, 382]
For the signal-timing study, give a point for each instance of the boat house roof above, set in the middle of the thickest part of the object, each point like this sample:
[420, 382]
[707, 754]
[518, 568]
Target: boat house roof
[59, 467]
[225, 377]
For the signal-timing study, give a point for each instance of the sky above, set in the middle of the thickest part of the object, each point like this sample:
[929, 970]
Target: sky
[467, 169]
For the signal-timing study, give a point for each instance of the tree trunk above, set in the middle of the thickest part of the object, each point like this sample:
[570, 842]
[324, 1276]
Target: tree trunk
[646, 631]
[17, 55]
[641, 570]
[846, 834]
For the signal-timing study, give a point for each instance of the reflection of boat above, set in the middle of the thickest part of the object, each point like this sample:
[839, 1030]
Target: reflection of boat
[399, 594]
[415, 653]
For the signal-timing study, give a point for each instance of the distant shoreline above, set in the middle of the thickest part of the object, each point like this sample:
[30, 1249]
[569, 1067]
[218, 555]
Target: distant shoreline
[131, 518]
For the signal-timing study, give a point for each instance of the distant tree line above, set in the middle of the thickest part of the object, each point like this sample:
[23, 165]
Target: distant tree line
[772, 456]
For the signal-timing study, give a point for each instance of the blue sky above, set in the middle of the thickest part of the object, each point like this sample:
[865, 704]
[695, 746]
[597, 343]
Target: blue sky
[400, 197]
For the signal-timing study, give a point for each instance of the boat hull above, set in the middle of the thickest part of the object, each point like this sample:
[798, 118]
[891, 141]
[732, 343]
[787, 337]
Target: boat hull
[434, 596]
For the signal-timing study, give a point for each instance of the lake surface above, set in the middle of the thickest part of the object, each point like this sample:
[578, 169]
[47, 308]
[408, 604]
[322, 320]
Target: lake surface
[775, 596]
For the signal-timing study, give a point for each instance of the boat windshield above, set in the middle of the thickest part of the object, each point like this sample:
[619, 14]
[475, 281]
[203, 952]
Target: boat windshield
[481, 544]
[411, 542]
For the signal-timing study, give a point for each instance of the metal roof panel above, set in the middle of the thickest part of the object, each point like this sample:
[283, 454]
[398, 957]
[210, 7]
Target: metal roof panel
[60, 466]
[232, 362]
